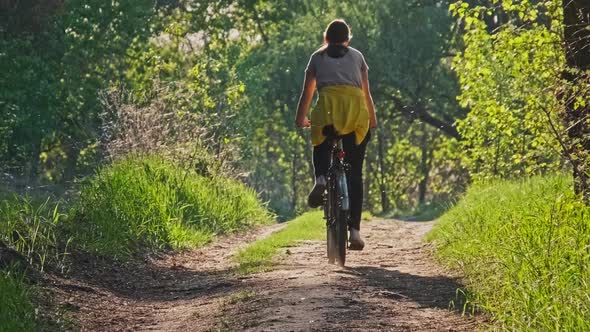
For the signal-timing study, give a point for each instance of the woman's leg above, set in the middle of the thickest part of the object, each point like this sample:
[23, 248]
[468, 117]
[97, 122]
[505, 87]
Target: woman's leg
[355, 156]
[321, 164]
[321, 159]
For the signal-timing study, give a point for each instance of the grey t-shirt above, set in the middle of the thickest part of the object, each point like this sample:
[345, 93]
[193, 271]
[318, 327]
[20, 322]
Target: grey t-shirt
[346, 70]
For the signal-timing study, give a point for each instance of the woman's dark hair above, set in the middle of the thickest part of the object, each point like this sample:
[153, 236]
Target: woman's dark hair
[336, 33]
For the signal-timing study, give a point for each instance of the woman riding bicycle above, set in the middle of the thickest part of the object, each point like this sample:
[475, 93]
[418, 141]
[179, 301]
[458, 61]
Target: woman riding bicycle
[340, 74]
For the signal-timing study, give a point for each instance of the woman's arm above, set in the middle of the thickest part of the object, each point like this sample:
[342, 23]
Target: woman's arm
[301, 119]
[369, 99]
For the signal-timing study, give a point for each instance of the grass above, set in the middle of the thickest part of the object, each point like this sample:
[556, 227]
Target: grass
[16, 312]
[35, 230]
[424, 212]
[259, 255]
[524, 248]
[127, 207]
[150, 203]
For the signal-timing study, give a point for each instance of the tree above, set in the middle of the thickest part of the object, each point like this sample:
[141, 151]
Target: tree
[508, 77]
[576, 116]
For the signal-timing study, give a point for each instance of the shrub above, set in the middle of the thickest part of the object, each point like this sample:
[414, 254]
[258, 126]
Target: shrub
[150, 202]
[524, 249]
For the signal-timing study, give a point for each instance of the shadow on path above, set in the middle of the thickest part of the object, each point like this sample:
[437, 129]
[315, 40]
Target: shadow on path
[145, 281]
[438, 292]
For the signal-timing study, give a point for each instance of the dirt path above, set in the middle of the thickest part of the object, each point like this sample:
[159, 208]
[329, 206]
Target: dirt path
[392, 285]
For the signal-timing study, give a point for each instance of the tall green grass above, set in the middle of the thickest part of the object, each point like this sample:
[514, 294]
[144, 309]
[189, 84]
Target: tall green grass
[131, 205]
[34, 229]
[16, 310]
[143, 203]
[524, 247]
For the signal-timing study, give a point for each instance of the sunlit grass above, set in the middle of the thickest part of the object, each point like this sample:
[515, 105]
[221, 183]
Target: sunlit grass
[149, 203]
[524, 249]
[129, 207]
[259, 255]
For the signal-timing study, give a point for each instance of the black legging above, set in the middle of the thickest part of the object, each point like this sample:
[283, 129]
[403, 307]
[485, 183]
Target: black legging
[355, 156]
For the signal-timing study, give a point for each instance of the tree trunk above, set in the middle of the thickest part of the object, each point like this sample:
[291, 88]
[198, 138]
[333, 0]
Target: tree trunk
[367, 182]
[576, 116]
[32, 171]
[72, 155]
[383, 186]
[496, 157]
[294, 181]
[425, 165]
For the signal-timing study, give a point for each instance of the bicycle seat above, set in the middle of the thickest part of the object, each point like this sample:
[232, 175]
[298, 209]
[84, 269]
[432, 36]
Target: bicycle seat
[330, 132]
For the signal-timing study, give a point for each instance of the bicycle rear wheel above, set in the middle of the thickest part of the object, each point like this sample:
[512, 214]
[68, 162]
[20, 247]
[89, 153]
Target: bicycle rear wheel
[341, 234]
[337, 225]
[331, 238]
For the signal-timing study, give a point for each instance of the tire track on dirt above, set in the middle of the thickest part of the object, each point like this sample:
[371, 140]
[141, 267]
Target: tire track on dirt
[393, 285]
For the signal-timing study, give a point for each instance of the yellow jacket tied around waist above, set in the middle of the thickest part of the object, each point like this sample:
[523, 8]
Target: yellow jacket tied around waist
[343, 107]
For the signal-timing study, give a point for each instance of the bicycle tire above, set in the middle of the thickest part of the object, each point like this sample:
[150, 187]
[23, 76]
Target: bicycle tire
[341, 226]
[330, 229]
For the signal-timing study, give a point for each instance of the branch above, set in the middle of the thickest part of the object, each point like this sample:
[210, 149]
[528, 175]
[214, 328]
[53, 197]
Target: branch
[567, 153]
[421, 113]
[260, 29]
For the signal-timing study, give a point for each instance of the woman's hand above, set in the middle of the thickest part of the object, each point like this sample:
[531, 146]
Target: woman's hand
[303, 122]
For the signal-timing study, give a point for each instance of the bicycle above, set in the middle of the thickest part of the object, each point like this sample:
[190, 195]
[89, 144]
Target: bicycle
[336, 200]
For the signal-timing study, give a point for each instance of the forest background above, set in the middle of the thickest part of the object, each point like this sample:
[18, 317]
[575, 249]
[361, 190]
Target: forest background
[465, 91]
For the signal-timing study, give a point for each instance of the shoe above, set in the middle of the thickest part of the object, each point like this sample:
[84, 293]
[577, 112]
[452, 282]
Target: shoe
[355, 241]
[316, 196]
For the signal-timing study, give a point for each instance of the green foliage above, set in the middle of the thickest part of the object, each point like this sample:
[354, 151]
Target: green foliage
[223, 61]
[259, 255]
[34, 229]
[16, 312]
[151, 203]
[189, 63]
[402, 168]
[509, 78]
[52, 73]
[410, 68]
[523, 247]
